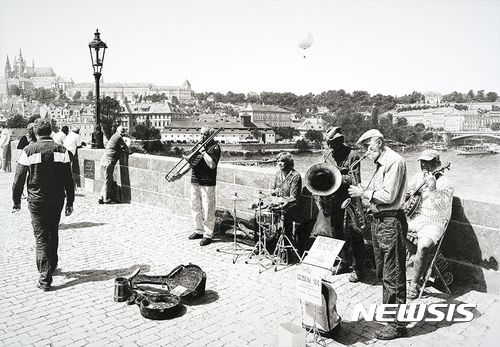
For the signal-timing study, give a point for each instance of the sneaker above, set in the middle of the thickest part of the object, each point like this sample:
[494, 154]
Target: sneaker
[356, 276]
[390, 333]
[205, 241]
[413, 291]
[195, 236]
[43, 287]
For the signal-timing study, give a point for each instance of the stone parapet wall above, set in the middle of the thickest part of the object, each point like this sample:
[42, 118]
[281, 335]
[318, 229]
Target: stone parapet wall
[142, 180]
[471, 244]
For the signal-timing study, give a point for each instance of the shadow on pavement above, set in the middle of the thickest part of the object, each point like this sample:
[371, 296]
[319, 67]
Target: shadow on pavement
[448, 317]
[78, 277]
[79, 225]
[209, 297]
[349, 333]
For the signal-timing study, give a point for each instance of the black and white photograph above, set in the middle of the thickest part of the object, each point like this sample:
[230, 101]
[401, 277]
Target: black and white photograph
[253, 173]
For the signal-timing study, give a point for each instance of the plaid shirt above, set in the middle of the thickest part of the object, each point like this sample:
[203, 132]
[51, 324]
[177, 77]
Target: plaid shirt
[435, 208]
[291, 185]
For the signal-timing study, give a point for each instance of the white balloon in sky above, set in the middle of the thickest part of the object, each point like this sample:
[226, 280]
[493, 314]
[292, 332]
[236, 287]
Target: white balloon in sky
[306, 41]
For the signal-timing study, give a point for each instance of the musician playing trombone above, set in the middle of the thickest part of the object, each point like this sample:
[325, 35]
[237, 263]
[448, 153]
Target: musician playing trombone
[343, 157]
[431, 217]
[203, 166]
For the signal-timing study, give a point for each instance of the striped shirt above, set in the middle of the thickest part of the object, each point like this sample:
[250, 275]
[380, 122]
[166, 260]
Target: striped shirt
[47, 166]
[435, 207]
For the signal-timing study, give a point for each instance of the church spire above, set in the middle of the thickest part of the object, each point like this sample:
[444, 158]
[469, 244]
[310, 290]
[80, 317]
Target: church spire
[8, 69]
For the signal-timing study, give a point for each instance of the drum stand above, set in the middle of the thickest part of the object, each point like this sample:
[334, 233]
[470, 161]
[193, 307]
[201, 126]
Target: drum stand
[235, 249]
[260, 249]
[280, 254]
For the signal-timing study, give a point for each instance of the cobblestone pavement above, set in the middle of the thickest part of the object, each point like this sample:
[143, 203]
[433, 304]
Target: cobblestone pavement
[241, 307]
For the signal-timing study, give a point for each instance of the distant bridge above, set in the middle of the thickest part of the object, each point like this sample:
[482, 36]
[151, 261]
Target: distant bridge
[458, 138]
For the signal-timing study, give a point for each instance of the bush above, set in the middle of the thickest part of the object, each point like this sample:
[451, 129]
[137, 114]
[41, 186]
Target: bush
[136, 149]
[153, 146]
[302, 145]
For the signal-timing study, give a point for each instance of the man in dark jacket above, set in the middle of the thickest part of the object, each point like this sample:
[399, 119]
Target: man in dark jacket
[344, 158]
[50, 181]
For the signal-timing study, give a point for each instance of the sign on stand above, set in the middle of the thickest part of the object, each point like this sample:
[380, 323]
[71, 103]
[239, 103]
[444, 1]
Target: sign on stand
[309, 287]
[316, 266]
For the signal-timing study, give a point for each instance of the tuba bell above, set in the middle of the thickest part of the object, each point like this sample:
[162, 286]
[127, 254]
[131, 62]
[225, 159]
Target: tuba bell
[322, 180]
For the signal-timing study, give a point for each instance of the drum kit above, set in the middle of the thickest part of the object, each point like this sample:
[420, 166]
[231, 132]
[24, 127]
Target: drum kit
[270, 224]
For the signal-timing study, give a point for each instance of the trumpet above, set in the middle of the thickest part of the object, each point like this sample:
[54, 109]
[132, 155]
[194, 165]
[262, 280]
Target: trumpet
[192, 152]
[354, 206]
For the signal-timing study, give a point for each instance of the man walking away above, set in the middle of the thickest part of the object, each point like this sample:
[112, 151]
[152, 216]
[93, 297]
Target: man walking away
[47, 166]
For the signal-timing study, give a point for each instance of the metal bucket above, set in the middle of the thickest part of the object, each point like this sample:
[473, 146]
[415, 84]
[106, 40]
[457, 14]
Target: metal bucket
[122, 289]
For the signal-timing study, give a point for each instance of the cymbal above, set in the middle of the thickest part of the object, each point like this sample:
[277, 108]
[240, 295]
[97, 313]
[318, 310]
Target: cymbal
[286, 199]
[235, 197]
[282, 199]
[260, 196]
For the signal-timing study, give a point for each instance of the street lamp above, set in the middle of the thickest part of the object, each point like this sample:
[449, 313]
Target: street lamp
[97, 49]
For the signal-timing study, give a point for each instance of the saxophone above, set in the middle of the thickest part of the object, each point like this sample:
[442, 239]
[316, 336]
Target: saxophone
[354, 206]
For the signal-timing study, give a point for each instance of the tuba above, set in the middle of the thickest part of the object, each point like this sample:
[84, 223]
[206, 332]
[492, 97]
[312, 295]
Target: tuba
[322, 180]
[354, 206]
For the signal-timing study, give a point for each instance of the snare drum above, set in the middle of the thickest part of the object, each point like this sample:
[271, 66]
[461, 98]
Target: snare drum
[268, 224]
[267, 217]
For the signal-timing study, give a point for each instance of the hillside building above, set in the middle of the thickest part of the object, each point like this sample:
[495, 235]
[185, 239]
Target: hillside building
[235, 131]
[273, 116]
[451, 119]
[158, 115]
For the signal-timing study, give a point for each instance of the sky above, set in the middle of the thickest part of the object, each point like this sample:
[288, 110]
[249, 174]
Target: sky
[386, 47]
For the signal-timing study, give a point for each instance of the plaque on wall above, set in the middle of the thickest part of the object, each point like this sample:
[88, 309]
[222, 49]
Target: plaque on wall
[88, 168]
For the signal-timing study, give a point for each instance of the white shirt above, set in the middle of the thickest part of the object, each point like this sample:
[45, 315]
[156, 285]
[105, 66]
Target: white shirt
[72, 141]
[59, 137]
[5, 138]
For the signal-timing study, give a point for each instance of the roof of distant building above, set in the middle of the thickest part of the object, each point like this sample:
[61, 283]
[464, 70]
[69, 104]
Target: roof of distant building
[215, 123]
[265, 108]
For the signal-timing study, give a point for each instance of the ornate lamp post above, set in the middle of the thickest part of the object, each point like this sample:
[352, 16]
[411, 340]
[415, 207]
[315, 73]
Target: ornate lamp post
[97, 49]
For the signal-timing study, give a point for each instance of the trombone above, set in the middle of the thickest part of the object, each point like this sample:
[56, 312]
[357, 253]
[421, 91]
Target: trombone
[193, 151]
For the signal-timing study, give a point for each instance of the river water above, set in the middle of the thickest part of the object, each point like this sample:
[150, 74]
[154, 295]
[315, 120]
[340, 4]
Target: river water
[474, 177]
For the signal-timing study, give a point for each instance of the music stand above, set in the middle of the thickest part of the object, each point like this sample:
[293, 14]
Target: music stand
[260, 249]
[235, 249]
[284, 243]
[317, 338]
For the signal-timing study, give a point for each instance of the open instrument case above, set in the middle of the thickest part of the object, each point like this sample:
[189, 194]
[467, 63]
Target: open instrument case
[162, 297]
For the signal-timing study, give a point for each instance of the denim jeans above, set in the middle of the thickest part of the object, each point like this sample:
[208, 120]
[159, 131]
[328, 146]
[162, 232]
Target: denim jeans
[45, 217]
[389, 247]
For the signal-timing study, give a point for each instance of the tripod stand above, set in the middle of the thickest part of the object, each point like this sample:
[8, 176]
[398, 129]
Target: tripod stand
[260, 249]
[235, 249]
[281, 251]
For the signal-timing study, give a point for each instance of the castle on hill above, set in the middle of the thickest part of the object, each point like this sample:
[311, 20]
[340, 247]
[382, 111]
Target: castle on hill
[32, 77]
